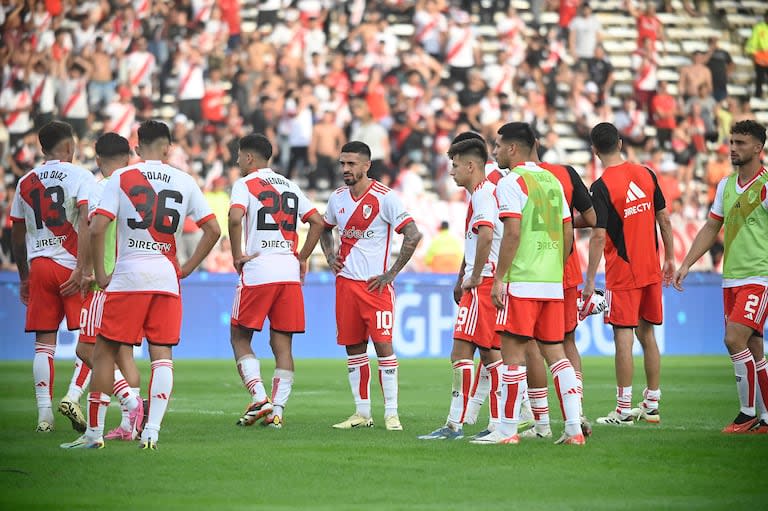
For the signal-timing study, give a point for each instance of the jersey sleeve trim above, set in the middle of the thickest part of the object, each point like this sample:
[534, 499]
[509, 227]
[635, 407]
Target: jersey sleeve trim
[205, 219]
[566, 220]
[476, 226]
[308, 214]
[510, 215]
[715, 216]
[238, 206]
[81, 202]
[327, 225]
[104, 212]
[403, 224]
[16, 219]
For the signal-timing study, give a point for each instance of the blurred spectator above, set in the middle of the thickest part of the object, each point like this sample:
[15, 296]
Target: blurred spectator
[462, 49]
[645, 63]
[757, 47]
[584, 35]
[567, 10]
[720, 66]
[120, 114]
[631, 122]
[668, 182]
[664, 113]
[445, 252]
[367, 130]
[73, 95]
[649, 26]
[718, 167]
[693, 76]
[600, 71]
[15, 108]
[324, 148]
[429, 26]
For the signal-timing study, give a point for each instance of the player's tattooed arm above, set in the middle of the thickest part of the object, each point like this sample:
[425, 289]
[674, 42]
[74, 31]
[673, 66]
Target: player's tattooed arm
[411, 238]
[328, 245]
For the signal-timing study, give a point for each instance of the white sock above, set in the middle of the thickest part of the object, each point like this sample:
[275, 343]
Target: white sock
[98, 403]
[479, 392]
[566, 386]
[282, 382]
[513, 384]
[746, 377]
[460, 389]
[651, 399]
[359, 370]
[160, 387]
[388, 379]
[624, 400]
[494, 393]
[539, 406]
[43, 372]
[762, 388]
[249, 368]
[580, 382]
[81, 377]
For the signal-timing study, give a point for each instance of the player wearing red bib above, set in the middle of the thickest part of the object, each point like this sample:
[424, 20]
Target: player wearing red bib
[271, 272]
[149, 201]
[50, 242]
[366, 212]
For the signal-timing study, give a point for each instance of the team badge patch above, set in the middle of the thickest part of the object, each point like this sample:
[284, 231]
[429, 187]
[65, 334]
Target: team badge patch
[367, 210]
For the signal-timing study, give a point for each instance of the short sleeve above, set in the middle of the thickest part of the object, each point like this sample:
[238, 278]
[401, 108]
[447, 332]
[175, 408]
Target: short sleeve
[581, 201]
[95, 198]
[239, 198]
[305, 207]
[330, 212]
[17, 206]
[566, 209]
[84, 190]
[718, 211]
[484, 211]
[199, 209]
[110, 198]
[659, 202]
[601, 201]
[512, 195]
[393, 212]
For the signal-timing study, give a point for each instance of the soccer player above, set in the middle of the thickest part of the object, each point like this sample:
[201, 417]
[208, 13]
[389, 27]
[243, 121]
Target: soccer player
[112, 152]
[629, 203]
[366, 212]
[528, 285]
[741, 204]
[149, 201]
[476, 317]
[271, 272]
[50, 244]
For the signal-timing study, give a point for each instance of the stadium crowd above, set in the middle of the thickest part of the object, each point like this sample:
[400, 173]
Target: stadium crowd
[313, 74]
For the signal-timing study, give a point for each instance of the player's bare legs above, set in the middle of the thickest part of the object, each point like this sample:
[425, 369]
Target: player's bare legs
[649, 407]
[623, 340]
[69, 406]
[249, 368]
[43, 372]
[282, 380]
[537, 392]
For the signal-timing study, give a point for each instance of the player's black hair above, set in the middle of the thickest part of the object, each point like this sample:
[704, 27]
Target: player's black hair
[750, 127]
[469, 147]
[357, 147]
[467, 135]
[605, 138]
[53, 133]
[519, 132]
[150, 130]
[258, 144]
[111, 144]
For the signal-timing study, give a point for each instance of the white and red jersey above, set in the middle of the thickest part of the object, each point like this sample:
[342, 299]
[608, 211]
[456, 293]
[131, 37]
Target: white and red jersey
[121, 117]
[73, 98]
[141, 67]
[43, 92]
[460, 48]
[201, 10]
[509, 28]
[365, 228]
[645, 70]
[16, 121]
[493, 173]
[273, 206]
[47, 201]
[482, 211]
[149, 201]
[191, 81]
[428, 28]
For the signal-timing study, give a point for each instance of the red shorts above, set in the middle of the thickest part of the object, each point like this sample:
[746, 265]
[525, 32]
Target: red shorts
[282, 303]
[476, 318]
[127, 315]
[46, 307]
[362, 314]
[746, 305]
[570, 310]
[90, 316]
[627, 306]
[528, 317]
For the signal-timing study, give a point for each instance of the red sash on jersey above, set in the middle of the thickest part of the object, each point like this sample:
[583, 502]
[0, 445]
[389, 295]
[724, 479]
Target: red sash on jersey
[205, 12]
[136, 78]
[504, 78]
[72, 99]
[362, 218]
[142, 10]
[459, 45]
[65, 230]
[425, 29]
[22, 102]
[186, 78]
[118, 126]
[645, 72]
[39, 90]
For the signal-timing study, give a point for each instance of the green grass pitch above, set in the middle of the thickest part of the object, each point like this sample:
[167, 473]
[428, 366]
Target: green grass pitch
[205, 462]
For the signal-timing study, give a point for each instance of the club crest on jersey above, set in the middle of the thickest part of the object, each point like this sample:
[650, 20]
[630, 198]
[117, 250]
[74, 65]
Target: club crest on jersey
[367, 210]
